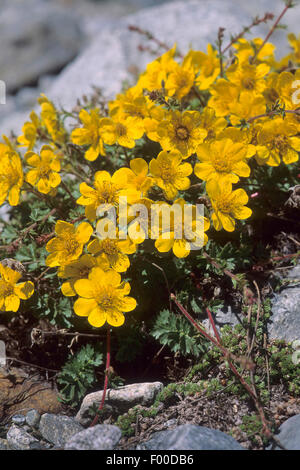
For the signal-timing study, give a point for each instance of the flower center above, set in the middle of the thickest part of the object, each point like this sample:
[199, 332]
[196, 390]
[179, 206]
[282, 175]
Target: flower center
[182, 133]
[225, 204]
[221, 164]
[121, 129]
[107, 193]
[109, 246]
[83, 272]
[44, 171]
[281, 143]
[167, 173]
[249, 83]
[70, 245]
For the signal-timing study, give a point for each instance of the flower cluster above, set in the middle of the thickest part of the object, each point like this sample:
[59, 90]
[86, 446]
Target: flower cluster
[192, 126]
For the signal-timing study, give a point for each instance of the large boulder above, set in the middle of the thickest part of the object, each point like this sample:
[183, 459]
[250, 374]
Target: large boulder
[285, 319]
[114, 52]
[37, 37]
[191, 437]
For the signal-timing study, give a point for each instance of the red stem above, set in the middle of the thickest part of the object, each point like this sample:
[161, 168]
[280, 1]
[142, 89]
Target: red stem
[213, 325]
[224, 351]
[95, 420]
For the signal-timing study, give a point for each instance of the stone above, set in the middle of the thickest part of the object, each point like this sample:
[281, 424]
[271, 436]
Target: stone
[35, 44]
[2, 354]
[19, 420]
[285, 320]
[289, 434]
[120, 399]
[18, 439]
[33, 418]
[114, 51]
[21, 395]
[58, 429]
[3, 444]
[190, 437]
[107, 61]
[99, 437]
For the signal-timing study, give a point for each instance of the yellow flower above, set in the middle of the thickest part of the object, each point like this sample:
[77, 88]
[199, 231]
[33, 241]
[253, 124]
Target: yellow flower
[129, 104]
[223, 93]
[45, 173]
[89, 134]
[180, 81]
[68, 244]
[157, 71]
[283, 87]
[137, 176]
[79, 269]
[222, 160]
[207, 66]
[181, 132]
[124, 132]
[139, 221]
[103, 298]
[107, 190]
[184, 235]
[30, 132]
[50, 119]
[10, 291]
[245, 49]
[170, 174]
[227, 205]
[11, 177]
[156, 115]
[279, 137]
[295, 44]
[242, 136]
[114, 251]
[212, 124]
[248, 77]
[247, 105]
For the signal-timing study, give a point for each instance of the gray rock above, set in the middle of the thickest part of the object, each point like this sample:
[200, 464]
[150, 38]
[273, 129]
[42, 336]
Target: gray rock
[4, 444]
[2, 354]
[57, 429]
[33, 418]
[107, 61]
[18, 439]
[19, 420]
[285, 319]
[36, 43]
[289, 434]
[99, 437]
[120, 400]
[190, 437]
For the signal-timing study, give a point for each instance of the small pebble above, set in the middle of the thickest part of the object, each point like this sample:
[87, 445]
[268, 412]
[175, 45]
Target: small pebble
[33, 418]
[18, 419]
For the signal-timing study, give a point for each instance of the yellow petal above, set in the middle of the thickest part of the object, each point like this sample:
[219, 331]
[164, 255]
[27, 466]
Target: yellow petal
[84, 288]
[12, 303]
[84, 307]
[97, 317]
[84, 232]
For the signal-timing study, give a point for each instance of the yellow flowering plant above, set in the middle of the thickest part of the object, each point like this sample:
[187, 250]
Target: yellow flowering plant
[202, 142]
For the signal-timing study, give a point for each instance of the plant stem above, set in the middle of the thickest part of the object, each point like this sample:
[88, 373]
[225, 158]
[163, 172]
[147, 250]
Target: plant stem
[287, 6]
[107, 366]
[256, 21]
